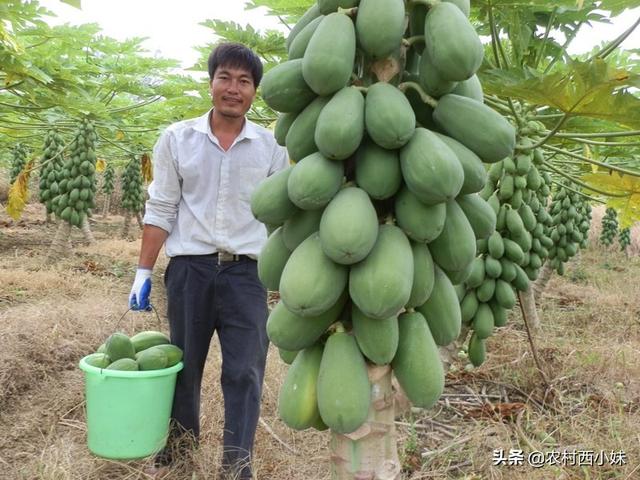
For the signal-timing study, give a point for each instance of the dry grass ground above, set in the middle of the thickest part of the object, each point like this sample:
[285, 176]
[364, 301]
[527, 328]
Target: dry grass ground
[51, 316]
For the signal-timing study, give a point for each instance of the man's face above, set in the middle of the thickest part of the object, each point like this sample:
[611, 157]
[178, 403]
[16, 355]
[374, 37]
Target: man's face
[232, 90]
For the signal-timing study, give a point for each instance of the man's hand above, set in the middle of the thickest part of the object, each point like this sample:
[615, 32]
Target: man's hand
[139, 296]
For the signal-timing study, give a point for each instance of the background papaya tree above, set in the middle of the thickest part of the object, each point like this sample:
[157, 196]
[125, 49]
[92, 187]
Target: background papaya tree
[55, 76]
[587, 103]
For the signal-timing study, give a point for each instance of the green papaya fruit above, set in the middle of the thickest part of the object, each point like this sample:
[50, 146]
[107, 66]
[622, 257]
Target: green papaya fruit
[452, 42]
[458, 116]
[311, 283]
[377, 170]
[380, 25]
[284, 88]
[376, 338]
[380, 285]
[272, 259]
[328, 60]
[340, 126]
[349, 226]
[417, 364]
[442, 310]
[314, 181]
[342, 409]
[420, 222]
[430, 168]
[298, 397]
[388, 116]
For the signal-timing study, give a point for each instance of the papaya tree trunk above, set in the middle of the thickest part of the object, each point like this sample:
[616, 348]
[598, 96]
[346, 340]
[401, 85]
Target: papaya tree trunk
[528, 304]
[105, 207]
[449, 354]
[48, 218]
[127, 221]
[371, 452]
[542, 281]
[60, 245]
[86, 231]
[139, 219]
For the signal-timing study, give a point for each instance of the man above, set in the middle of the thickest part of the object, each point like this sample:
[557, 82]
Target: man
[205, 170]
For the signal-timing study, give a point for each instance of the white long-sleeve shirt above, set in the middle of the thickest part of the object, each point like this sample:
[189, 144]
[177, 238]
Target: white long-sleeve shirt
[201, 194]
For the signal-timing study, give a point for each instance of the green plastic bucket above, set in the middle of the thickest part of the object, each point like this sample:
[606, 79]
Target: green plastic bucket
[128, 412]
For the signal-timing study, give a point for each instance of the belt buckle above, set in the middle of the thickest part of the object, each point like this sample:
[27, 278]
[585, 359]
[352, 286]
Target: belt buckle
[225, 257]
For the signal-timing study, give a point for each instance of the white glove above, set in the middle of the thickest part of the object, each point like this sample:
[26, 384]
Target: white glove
[139, 296]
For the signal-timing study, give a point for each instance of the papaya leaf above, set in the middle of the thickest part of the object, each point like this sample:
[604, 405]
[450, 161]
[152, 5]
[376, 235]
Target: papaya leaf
[628, 206]
[73, 3]
[616, 7]
[291, 10]
[593, 89]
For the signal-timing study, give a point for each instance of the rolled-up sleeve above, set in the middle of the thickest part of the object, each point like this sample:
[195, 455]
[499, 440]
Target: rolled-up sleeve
[165, 189]
[279, 159]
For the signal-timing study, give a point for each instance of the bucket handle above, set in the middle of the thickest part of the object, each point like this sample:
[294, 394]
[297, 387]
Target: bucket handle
[151, 306]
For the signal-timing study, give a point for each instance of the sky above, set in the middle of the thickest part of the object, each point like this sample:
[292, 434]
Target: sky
[172, 26]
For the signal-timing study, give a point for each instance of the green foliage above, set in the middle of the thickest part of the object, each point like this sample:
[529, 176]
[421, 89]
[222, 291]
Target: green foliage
[52, 76]
[289, 10]
[594, 88]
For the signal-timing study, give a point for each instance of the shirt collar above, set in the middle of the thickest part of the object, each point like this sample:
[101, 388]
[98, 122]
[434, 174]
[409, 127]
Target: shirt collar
[249, 130]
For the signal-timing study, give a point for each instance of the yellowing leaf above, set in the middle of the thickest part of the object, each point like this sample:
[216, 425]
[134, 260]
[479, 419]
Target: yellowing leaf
[100, 165]
[586, 152]
[147, 168]
[628, 206]
[119, 135]
[18, 192]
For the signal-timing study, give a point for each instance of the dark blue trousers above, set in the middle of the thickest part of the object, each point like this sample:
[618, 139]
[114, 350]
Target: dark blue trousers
[203, 298]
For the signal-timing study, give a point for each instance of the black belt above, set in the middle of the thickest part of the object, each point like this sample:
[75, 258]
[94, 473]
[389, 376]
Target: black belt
[220, 257]
[225, 257]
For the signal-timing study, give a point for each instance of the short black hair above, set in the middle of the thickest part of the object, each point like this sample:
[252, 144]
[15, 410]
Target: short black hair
[235, 55]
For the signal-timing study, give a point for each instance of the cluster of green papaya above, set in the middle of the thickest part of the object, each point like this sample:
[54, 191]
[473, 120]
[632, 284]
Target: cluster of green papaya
[609, 227]
[513, 254]
[19, 160]
[108, 179]
[76, 190]
[571, 218]
[132, 188]
[624, 239]
[148, 350]
[585, 225]
[378, 216]
[51, 173]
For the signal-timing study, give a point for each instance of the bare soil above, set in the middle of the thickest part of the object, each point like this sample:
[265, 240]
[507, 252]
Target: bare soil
[51, 315]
